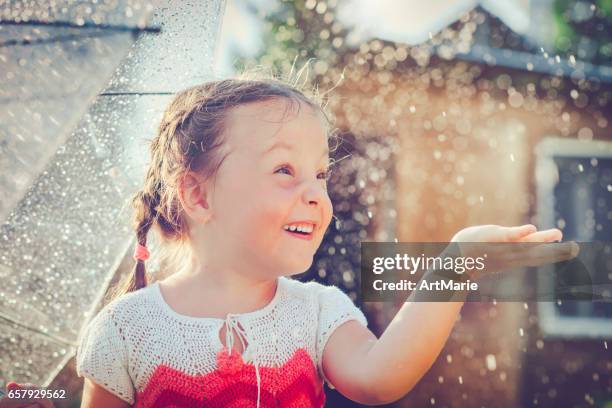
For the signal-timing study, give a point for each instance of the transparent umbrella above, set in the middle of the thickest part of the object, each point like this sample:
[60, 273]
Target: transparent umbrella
[83, 86]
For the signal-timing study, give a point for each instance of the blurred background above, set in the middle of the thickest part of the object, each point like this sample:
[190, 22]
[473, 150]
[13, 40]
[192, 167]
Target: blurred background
[451, 114]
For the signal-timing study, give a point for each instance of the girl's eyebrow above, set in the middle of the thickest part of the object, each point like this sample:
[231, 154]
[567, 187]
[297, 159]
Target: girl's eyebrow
[279, 144]
[283, 145]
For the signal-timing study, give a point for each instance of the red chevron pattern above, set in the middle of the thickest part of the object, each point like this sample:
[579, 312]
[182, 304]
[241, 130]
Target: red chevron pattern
[295, 384]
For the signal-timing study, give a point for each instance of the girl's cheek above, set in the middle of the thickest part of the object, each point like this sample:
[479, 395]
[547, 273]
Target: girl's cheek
[275, 197]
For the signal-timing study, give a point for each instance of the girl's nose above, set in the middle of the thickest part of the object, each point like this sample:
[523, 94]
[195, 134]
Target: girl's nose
[315, 193]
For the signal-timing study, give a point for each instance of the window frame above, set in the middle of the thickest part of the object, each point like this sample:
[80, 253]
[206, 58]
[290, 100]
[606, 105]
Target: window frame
[551, 322]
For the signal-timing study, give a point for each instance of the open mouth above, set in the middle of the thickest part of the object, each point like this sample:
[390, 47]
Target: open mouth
[300, 232]
[300, 235]
[304, 232]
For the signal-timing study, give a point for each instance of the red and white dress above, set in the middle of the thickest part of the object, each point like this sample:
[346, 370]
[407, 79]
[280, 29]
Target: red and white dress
[147, 354]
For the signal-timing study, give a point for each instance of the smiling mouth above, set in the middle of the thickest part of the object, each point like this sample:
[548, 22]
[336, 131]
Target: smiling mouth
[300, 232]
[300, 235]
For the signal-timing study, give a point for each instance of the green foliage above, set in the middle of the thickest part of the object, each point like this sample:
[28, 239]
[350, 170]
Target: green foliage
[583, 28]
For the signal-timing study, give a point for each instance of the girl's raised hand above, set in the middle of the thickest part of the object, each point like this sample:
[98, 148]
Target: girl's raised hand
[497, 233]
[521, 247]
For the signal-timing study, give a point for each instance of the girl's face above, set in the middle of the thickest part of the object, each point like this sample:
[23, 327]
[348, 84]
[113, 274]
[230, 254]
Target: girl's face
[274, 175]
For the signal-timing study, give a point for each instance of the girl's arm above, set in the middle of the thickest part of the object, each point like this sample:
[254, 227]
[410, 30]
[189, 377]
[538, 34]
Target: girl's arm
[379, 371]
[96, 396]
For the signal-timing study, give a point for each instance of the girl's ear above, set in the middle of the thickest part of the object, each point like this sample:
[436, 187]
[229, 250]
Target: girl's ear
[194, 197]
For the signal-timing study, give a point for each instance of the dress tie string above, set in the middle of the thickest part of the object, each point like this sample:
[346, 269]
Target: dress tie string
[231, 323]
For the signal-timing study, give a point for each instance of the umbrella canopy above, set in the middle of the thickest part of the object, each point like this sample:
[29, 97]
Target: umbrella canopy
[86, 87]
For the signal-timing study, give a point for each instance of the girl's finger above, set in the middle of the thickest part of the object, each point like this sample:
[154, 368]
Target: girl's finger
[516, 233]
[544, 253]
[548, 235]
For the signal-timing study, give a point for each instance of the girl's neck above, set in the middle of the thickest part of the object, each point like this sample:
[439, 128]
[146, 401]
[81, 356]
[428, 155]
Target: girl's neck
[202, 295]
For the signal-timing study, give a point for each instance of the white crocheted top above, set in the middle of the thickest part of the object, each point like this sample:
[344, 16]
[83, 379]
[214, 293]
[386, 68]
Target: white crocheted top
[137, 339]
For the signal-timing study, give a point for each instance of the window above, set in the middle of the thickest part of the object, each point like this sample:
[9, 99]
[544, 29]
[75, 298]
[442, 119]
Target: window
[574, 190]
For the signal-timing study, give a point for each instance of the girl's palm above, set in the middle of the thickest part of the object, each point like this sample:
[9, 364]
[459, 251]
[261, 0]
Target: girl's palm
[520, 249]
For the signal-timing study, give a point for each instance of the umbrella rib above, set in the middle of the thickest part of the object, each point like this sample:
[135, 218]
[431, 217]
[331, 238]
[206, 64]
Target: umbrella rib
[110, 29]
[23, 326]
[59, 38]
[87, 24]
[134, 93]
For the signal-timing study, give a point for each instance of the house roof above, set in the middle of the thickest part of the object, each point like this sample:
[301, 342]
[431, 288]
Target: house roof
[414, 21]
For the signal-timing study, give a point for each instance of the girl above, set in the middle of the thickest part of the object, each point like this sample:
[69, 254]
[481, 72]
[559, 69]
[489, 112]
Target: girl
[238, 177]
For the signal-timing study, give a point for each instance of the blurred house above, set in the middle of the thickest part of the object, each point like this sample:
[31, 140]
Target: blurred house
[467, 125]
[449, 113]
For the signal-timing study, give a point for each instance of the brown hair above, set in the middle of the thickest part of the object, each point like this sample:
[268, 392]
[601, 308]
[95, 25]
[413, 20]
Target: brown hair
[188, 139]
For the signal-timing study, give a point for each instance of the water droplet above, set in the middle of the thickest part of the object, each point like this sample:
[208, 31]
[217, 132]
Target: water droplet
[491, 362]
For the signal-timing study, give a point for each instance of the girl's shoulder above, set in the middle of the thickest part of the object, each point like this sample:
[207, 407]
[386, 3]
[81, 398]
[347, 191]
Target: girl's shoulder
[303, 288]
[121, 311]
[131, 304]
[305, 291]
[329, 299]
[332, 308]
[102, 353]
[314, 289]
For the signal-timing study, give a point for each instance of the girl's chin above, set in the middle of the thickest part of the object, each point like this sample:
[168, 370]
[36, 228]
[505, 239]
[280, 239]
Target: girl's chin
[291, 274]
[297, 266]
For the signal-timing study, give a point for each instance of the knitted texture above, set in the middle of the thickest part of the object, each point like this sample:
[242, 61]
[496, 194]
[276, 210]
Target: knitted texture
[140, 349]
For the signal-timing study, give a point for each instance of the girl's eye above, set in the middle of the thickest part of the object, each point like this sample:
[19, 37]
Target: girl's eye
[283, 168]
[324, 175]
